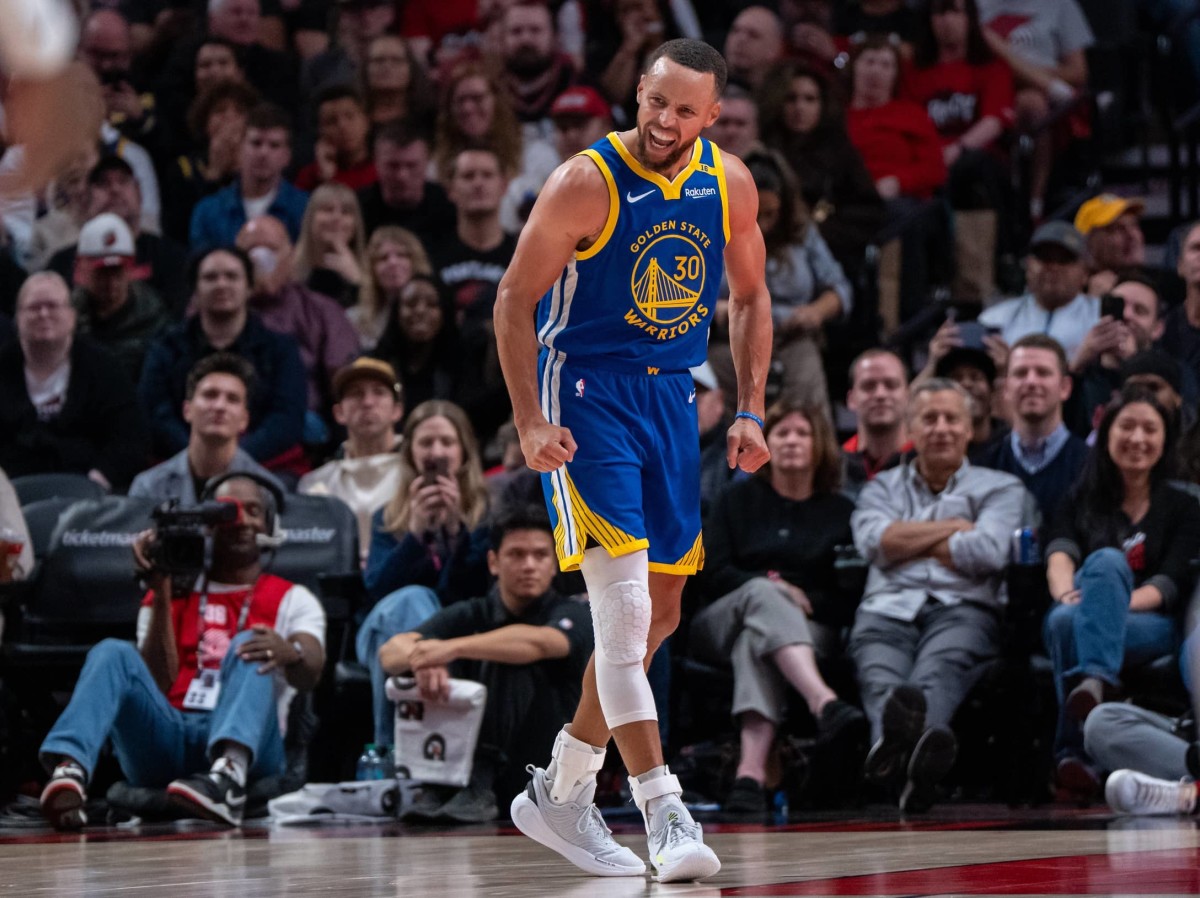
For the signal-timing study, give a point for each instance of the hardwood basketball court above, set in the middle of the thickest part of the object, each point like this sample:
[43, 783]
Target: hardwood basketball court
[962, 849]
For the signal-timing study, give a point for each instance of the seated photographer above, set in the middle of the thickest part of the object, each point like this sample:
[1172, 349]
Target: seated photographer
[775, 603]
[217, 410]
[523, 641]
[200, 706]
[365, 473]
[429, 543]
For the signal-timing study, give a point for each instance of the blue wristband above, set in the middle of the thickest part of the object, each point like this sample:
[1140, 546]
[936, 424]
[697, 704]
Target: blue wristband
[753, 417]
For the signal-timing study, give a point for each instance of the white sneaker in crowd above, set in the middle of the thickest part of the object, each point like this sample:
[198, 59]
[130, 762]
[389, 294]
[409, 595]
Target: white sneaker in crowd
[1130, 792]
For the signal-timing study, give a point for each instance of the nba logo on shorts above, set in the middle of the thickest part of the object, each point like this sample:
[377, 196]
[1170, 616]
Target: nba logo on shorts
[579, 385]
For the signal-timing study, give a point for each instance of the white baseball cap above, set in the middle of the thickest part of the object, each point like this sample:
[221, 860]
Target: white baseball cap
[106, 240]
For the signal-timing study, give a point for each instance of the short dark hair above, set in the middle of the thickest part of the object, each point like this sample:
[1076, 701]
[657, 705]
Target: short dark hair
[477, 146]
[198, 260]
[269, 117]
[221, 363]
[1136, 274]
[1042, 341]
[236, 92]
[338, 92]
[519, 517]
[402, 133]
[877, 352]
[695, 55]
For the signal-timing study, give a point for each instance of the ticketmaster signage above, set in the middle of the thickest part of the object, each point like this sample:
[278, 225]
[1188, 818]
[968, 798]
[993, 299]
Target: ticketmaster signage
[108, 539]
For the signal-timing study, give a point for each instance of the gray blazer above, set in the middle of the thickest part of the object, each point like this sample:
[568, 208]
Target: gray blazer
[173, 478]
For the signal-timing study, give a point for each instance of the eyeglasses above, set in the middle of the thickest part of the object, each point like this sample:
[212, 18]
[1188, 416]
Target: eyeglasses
[48, 308]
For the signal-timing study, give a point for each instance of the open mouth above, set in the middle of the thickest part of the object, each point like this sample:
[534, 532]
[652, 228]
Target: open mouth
[659, 143]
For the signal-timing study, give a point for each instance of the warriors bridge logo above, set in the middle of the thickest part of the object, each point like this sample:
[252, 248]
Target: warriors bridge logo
[668, 279]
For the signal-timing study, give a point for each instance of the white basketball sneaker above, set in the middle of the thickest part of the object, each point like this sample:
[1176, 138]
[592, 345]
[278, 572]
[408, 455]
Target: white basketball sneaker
[676, 841]
[574, 828]
[1130, 792]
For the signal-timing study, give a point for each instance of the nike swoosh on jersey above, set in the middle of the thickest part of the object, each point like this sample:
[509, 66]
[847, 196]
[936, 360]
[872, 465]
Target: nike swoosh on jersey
[641, 196]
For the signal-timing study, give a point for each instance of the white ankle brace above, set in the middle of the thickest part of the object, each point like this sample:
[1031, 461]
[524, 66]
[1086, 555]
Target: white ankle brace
[573, 762]
[665, 784]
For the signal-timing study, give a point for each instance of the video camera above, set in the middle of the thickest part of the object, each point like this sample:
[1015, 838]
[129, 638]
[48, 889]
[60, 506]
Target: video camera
[183, 544]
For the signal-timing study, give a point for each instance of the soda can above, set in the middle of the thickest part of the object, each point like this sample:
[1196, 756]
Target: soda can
[1025, 550]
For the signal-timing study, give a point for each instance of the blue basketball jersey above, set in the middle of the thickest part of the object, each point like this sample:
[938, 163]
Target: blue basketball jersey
[642, 297]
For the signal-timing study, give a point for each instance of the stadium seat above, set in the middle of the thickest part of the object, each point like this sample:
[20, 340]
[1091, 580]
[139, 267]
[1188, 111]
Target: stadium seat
[85, 590]
[35, 487]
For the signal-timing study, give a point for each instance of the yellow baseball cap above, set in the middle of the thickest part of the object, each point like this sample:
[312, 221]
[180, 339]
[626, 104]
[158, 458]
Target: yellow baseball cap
[365, 368]
[1101, 211]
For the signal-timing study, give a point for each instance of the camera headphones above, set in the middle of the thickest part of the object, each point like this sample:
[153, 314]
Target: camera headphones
[275, 536]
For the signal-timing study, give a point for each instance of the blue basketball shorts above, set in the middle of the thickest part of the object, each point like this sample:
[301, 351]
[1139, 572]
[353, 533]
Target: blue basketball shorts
[635, 480]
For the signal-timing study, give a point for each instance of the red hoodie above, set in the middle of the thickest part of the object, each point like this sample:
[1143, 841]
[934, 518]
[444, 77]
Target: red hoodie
[898, 139]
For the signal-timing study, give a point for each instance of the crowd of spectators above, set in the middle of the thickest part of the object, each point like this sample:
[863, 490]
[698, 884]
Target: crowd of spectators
[280, 259]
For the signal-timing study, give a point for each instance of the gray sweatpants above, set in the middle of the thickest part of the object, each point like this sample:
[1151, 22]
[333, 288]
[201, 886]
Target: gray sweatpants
[943, 652]
[1119, 736]
[743, 629]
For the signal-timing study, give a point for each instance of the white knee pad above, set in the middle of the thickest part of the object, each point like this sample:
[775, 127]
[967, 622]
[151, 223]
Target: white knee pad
[621, 610]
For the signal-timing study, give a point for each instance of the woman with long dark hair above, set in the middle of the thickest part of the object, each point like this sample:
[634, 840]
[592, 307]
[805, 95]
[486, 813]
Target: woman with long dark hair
[802, 117]
[421, 341]
[1118, 565]
[773, 596]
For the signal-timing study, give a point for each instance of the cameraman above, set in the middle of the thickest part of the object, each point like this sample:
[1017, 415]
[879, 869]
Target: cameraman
[211, 685]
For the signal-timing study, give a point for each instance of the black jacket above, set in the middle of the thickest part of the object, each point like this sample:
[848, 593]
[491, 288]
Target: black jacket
[277, 400]
[101, 425]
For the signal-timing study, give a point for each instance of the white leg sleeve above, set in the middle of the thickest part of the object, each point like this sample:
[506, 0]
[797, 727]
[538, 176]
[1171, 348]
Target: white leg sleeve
[619, 590]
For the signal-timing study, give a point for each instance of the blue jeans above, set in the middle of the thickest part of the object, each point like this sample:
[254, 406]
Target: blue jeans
[401, 611]
[116, 697]
[1100, 635]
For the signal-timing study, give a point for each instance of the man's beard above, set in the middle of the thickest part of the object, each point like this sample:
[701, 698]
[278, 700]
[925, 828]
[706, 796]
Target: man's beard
[666, 164]
[527, 62]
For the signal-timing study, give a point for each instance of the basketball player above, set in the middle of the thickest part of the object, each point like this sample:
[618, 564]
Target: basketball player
[52, 106]
[622, 259]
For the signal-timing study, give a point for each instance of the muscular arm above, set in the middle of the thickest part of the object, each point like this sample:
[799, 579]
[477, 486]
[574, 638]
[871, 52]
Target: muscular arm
[749, 316]
[749, 301]
[572, 207]
[514, 644]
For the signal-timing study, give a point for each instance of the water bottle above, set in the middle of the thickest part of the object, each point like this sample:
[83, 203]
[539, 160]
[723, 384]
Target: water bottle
[779, 808]
[365, 769]
[387, 764]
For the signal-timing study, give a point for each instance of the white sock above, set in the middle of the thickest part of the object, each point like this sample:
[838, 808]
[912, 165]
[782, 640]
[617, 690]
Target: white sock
[237, 762]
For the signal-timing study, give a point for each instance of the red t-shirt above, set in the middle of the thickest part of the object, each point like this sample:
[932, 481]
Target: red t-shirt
[898, 139]
[221, 615]
[435, 19]
[356, 177]
[957, 95]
